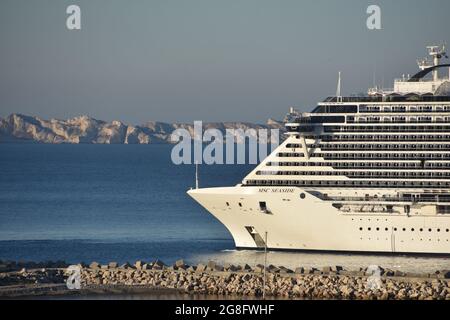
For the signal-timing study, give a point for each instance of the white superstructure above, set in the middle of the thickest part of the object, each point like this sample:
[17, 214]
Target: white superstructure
[365, 174]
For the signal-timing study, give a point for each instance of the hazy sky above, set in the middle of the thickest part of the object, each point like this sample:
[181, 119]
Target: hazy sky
[211, 60]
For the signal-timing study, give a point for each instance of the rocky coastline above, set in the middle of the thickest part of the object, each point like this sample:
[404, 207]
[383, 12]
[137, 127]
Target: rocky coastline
[242, 281]
[19, 128]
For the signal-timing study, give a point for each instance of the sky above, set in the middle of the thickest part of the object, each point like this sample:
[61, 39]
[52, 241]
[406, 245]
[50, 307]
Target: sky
[210, 60]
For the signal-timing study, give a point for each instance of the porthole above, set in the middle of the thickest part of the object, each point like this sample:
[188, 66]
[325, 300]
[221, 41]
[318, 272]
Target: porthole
[421, 230]
[302, 196]
[412, 229]
[395, 229]
[404, 229]
[228, 204]
[386, 229]
[429, 230]
[438, 230]
[360, 229]
[369, 229]
[240, 204]
[378, 229]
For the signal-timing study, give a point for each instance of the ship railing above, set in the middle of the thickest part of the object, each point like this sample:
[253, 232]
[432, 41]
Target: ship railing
[385, 199]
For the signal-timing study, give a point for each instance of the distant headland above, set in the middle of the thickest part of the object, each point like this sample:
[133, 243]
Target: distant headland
[83, 129]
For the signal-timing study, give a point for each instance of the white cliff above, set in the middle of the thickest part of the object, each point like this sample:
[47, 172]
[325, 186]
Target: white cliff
[83, 129]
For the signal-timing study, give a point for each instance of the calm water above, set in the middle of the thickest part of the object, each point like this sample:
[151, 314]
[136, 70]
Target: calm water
[128, 202]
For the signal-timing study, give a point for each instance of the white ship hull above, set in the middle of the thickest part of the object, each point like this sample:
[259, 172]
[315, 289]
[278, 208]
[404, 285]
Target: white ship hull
[312, 224]
[359, 174]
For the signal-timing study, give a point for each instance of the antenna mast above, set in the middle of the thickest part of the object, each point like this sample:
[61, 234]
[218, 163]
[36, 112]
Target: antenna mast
[436, 53]
[338, 90]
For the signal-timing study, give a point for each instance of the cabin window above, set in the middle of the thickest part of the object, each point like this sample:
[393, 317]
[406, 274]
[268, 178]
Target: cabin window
[262, 206]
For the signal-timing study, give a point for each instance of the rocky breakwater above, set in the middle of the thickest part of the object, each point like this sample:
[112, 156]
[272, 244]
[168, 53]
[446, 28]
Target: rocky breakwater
[30, 278]
[301, 283]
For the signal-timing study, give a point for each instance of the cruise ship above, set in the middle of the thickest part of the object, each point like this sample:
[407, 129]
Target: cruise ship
[357, 174]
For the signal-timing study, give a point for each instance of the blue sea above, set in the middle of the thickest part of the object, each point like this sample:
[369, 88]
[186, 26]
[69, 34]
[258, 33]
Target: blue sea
[83, 203]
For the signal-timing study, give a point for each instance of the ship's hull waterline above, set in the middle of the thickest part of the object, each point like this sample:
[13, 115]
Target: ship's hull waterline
[295, 222]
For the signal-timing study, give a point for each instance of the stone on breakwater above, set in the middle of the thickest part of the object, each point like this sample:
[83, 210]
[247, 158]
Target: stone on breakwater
[158, 265]
[211, 265]
[138, 264]
[201, 268]
[230, 267]
[299, 286]
[246, 267]
[180, 264]
[299, 270]
[326, 270]
[443, 274]
[126, 265]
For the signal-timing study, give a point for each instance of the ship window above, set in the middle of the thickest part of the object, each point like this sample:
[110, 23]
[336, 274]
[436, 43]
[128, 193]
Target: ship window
[263, 207]
[443, 209]
[240, 204]
[302, 196]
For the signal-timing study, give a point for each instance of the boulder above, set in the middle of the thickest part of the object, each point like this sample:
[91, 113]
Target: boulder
[94, 265]
[299, 270]
[389, 273]
[126, 265]
[446, 274]
[326, 270]
[285, 270]
[337, 269]
[180, 263]
[113, 265]
[211, 265]
[218, 268]
[158, 265]
[259, 268]
[273, 268]
[138, 264]
[442, 274]
[246, 267]
[230, 267]
[201, 268]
